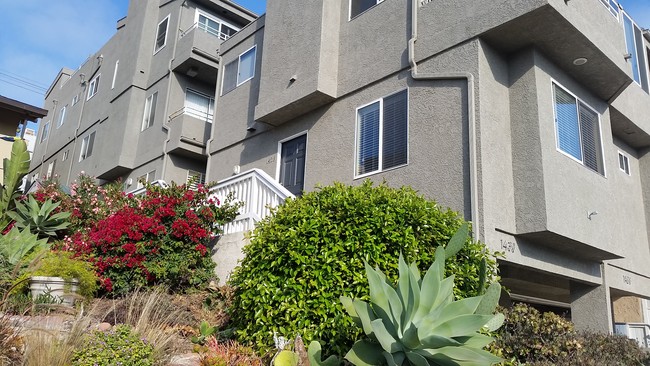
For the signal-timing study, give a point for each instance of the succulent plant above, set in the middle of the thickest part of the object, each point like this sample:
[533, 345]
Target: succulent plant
[16, 245]
[286, 358]
[39, 218]
[417, 322]
[314, 355]
[205, 331]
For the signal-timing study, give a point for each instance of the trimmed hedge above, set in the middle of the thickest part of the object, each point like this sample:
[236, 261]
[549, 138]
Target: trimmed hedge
[311, 251]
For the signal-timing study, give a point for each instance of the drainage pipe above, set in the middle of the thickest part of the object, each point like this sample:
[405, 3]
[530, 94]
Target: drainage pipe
[473, 171]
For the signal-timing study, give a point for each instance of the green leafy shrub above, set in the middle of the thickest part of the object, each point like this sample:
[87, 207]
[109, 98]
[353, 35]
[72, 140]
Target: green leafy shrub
[312, 250]
[119, 346]
[39, 219]
[528, 335]
[62, 264]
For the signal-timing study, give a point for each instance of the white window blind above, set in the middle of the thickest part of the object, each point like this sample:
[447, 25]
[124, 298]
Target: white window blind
[382, 134]
[194, 179]
[161, 34]
[578, 130]
[199, 105]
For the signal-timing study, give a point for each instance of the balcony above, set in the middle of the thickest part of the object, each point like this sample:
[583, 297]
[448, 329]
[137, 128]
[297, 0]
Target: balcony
[197, 52]
[189, 131]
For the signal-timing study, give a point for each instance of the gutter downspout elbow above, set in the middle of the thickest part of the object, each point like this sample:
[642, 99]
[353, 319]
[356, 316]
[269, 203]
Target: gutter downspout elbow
[471, 114]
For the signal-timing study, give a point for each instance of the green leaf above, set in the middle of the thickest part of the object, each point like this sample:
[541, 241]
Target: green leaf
[490, 299]
[457, 241]
[365, 353]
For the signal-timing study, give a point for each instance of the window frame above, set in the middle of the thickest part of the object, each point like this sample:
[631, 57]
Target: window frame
[239, 82]
[211, 103]
[146, 178]
[216, 19]
[201, 179]
[86, 142]
[46, 132]
[62, 112]
[93, 86]
[614, 10]
[626, 160]
[117, 65]
[75, 100]
[157, 49]
[642, 68]
[350, 17]
[380, 168]
[148, 117]
[579, 101]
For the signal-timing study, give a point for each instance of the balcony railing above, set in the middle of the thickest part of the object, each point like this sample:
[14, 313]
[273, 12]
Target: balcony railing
[639, 332]
[259, 193]
[207, 29]
[196, 113]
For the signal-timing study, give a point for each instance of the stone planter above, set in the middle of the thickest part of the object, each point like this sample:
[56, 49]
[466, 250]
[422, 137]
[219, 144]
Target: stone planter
[60, 290]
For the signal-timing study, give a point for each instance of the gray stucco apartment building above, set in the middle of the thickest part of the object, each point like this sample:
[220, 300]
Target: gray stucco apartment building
[140, 108]
[531, 118]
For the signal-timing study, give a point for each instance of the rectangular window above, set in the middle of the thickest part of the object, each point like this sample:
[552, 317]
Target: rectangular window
[215, 26]
[635, 46]
[147, 178]
[75, 99]
[87, 146]
[612, 6]
[117, 65]
[199, 105]
[46, 131]
[65, 155]
[149, 111]
[239, 71]
[194, 179]
[578, 130]
[61, 116]
[50, 170]
[624, 163]
[359, 6]
[382, 134]
[161, 35]
[93, 87]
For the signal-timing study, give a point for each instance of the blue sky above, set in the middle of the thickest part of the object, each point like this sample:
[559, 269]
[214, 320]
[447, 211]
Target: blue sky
[39, 37]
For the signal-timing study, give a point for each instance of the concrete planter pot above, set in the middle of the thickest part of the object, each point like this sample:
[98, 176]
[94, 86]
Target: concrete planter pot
[60, 290]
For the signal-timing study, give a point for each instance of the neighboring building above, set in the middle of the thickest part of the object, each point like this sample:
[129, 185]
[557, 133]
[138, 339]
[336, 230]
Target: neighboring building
[14, 116]
[528, 117]
[142, 106]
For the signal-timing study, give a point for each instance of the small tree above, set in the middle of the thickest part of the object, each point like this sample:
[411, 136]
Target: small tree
[312, 249]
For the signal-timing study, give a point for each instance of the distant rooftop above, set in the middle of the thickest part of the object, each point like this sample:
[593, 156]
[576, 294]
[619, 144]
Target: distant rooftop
[29, 111]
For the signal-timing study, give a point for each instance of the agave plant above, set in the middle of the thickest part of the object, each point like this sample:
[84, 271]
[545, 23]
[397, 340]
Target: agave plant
[17, 244]
[314, 356]
[417, 322]
[39, 218]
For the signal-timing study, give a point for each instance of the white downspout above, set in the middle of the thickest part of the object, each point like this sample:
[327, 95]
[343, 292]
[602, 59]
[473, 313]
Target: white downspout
[473, 172]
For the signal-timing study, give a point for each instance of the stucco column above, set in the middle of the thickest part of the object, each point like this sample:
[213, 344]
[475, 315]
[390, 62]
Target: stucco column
[591, 307]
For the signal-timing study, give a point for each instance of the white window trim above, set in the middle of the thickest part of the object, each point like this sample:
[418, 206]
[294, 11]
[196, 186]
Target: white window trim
[238, 83]
[278, 156]
[83, 152]
[144, 113]
[350, 17]
[627, 159]
[609, 9]
[155, 41]
[65, 155]
[95, 82]
[381, 135]
[62, 113]
[146, 179]
[254, 65]
[117, 65]
[45, 134]
[214, 18]
[212, 99]
[557, 140]
[75, 99]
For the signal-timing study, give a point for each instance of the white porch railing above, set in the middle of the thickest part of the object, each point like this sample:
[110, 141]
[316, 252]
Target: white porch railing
[257, 190]
[141, 190]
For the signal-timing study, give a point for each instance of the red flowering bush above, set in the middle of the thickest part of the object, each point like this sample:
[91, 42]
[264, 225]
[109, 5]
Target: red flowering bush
[87, 202]
[160, 238]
